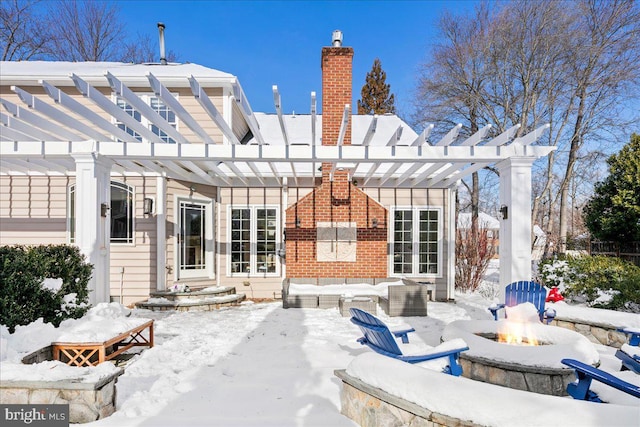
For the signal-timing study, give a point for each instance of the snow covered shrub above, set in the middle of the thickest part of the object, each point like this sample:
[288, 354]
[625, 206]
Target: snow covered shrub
[599, 281]
[26, 295]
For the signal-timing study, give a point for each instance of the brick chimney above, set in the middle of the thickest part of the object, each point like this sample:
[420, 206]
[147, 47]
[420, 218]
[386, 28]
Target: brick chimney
[337, 66]
[337, 230]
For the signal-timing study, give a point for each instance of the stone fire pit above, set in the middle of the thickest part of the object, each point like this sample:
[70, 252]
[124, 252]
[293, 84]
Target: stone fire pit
[535, 368]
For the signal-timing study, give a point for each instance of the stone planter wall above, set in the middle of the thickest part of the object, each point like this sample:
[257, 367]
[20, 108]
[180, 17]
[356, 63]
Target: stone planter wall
[87, 401]
[596, 333]
[534, 379]
[372, 407]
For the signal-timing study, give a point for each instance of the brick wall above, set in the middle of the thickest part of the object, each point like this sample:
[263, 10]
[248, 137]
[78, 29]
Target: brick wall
[336, 199]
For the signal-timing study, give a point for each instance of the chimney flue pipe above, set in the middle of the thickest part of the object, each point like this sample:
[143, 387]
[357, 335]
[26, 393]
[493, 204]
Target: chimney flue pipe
[163, 59]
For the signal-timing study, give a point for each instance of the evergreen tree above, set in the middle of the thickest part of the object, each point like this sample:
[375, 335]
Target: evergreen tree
[613, 212]
[376, 97]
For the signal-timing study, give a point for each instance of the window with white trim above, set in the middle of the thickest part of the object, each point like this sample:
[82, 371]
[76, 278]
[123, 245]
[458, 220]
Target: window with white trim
[253, 232]
[121, 213]
[416, 245]
[158, 106]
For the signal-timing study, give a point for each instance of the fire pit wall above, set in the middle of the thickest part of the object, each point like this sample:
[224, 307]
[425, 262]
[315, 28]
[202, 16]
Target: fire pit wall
[535, 379]
[597, 333]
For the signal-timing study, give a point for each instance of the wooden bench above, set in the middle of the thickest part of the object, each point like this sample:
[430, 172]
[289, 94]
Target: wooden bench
[586, 373]
[94, 353]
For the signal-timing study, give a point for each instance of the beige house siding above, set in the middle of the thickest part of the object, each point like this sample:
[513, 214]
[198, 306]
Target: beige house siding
[134, 265]
[33, 210]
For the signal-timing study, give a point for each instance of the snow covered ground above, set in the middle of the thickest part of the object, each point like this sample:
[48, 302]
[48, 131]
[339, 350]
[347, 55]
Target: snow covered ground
[253, 365]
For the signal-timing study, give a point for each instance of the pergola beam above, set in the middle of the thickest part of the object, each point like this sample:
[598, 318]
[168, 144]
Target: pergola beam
[143, 108]
[476, 137]
[170, 101]
[66, 101]
[247, 113]
[450, 137]
[313, 118]
[42, 107]
[277, 101]
[423, 137]
[39, 122]
[395, 137]
[371, 130]
[344, 124]
[112, 109]
[12, 124]
[212, 111]
[504, 137]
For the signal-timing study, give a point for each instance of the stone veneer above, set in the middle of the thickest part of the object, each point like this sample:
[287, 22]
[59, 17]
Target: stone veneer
[552, 381]
[372, 407]
[597, 333]
[87, 401]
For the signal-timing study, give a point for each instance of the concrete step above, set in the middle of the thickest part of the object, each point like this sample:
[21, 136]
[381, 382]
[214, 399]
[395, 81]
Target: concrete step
[204, 300]
[194, 293]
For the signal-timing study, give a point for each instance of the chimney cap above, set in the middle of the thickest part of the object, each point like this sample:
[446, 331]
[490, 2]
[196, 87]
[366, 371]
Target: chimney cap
[160, 24]
[336, 38]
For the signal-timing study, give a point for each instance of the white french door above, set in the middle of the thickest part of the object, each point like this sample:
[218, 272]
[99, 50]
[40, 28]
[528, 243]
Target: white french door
[194, 251]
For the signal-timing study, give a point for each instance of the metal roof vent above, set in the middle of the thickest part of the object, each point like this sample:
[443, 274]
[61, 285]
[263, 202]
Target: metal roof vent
[337, 38]
[163, 58]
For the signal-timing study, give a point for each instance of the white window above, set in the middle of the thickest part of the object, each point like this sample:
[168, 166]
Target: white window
[253, 237]
[121, 213]
[158, 106]
[416, 244]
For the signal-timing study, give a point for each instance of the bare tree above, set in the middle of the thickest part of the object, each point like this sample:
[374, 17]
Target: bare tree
[24, 32]
[86, 31]
[540, 62]
[604, 73]
[142, 49]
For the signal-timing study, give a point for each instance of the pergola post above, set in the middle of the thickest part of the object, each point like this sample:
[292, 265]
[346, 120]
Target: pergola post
[515, 225]
[93, 219]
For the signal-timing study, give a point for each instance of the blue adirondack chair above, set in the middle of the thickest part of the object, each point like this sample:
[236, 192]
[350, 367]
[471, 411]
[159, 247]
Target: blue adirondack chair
[521, 292]
[586, 373]
[630, 359]
[379, 338]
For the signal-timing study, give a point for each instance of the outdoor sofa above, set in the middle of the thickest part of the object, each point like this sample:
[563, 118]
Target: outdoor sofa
[397, 297]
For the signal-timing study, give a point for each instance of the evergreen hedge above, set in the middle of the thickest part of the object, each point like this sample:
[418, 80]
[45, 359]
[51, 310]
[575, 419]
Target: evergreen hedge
[589, 278]
[23, 269]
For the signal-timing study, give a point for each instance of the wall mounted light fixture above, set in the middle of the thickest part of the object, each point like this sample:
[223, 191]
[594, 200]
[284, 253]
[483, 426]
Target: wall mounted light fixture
[104, 208]
[504, 210]
[374, 222]
[298, 222]
[147, 206]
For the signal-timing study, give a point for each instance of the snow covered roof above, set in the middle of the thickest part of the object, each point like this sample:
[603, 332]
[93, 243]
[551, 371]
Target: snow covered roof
[299, 129]
[58, 72]
[484, 220]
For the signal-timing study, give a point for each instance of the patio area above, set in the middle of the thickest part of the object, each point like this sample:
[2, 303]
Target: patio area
[203, 369]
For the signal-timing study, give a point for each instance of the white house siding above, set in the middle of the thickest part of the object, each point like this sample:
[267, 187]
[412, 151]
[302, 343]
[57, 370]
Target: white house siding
[33, 210]
[260, 286]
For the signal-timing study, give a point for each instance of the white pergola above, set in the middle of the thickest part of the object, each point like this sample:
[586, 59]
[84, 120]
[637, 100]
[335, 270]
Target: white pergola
[60, 136]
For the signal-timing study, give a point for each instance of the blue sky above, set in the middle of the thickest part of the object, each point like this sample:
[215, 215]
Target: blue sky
[268, 43]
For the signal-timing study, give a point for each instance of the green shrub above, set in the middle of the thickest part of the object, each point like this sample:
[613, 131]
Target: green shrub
[23, 269]
[600, 281]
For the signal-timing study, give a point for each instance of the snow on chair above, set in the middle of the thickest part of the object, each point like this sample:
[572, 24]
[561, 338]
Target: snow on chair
[521, 292]
[586, 373]
[629, 354]
[379, 338]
